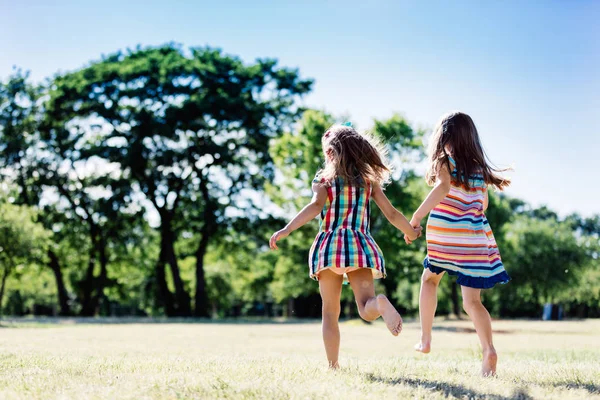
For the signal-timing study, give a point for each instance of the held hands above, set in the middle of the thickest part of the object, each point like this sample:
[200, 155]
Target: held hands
[416, 234]
[416, 224]
[280, 234]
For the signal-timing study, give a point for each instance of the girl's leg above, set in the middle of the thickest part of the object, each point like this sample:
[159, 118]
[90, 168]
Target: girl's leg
[330, 287]
[370, 307]
[427, 306]
[483, 325]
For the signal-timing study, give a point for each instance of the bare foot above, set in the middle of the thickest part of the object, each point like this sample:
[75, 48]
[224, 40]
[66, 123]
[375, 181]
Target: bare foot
[424, 346]
[488, 367]
[390, 316]
[334, 365]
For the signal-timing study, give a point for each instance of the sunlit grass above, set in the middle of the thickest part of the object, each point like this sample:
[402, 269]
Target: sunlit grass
[286, 361]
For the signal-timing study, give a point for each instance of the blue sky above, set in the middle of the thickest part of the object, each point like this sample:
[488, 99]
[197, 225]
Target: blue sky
[527, 72]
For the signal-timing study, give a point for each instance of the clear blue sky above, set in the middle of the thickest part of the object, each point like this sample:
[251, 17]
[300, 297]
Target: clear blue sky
[527, 71]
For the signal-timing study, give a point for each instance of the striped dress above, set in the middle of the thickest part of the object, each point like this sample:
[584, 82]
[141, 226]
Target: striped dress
[344, 242]
[460, 240]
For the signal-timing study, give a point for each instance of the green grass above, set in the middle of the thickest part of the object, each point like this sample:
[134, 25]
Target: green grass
[539, 360]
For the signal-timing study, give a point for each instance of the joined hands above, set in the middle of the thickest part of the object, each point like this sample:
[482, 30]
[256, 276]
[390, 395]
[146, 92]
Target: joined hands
[416, 224]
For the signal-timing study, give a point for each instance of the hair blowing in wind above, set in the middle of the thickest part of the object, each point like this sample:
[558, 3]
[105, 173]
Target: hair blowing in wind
[456, 134]
[357, 158]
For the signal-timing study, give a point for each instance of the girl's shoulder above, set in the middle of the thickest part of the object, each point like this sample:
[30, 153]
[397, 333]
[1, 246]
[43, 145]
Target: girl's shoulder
[319, 179]
[475, 179]
[452, 162]
[338, 181]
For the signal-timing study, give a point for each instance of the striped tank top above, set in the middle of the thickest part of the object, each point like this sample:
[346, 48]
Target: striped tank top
[344, 242]
[460, 240]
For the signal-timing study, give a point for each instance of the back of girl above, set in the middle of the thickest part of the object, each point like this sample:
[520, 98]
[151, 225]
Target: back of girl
[355, 170]
[459, 238]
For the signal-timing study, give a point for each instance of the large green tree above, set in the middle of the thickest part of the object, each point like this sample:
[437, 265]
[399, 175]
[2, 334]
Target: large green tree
[190, 129]
[19, 147]
[50, 161]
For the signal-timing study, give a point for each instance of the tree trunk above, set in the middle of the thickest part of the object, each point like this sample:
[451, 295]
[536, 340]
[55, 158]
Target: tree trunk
[167, 250]
[455, 300]
[102, 278]
[201, 299]
[3, 286]
[209, 228]
[87, 286]
[164, 294]
[63, 296]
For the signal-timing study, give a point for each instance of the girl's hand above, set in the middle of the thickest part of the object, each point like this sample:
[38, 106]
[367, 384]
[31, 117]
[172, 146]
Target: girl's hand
[414, 221]
[280, 234]
[416, 234]
[416, 224]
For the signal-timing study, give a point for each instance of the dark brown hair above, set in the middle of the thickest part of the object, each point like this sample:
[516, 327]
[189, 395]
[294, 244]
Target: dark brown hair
[456, 134]
[357, 158]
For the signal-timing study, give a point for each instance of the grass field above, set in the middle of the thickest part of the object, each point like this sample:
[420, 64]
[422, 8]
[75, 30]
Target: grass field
[73, 360]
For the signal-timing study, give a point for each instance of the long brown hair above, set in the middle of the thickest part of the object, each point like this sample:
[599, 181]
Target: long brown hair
[357, 158]
[456, 133]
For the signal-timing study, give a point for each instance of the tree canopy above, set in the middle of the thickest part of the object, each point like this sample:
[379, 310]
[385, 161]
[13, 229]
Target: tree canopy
[148, 181]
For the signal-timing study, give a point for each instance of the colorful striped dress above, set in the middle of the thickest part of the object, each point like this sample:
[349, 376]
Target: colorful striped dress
[344, 242]
[460, 240]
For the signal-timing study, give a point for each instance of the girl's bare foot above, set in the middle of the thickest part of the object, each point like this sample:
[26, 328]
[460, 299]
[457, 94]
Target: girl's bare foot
[334, 365]
[390, 316]
[424, 346]
[490, 359]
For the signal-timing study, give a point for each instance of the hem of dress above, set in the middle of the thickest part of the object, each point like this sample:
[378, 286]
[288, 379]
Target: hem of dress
[475, 282]
[346, 270]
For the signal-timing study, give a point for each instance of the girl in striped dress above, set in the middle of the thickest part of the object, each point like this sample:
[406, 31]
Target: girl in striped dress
[459, 238]
[354, 172]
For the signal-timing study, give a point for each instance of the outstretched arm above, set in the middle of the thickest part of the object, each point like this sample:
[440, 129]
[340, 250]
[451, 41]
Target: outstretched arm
[437, 194]
[395, 217]
[308, 213]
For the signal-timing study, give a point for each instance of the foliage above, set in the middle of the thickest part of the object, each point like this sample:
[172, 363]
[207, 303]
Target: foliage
[23, 242]
[544, 257]
[190, 129]
[157, 175]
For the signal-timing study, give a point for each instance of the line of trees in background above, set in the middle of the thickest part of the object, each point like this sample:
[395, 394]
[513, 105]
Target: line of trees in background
[147, 183]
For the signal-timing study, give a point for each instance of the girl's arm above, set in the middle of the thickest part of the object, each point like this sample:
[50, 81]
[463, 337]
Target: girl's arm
[308, 213]
[395, 217]
[437, 194]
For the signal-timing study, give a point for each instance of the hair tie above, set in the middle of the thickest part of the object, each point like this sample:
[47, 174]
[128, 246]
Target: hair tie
[348, 123]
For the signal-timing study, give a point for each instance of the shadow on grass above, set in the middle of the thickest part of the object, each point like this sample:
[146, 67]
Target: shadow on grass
[592, 388]
[448, 389]
[455, 329]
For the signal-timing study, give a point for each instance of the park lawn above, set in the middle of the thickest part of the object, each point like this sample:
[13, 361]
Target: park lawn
[73, 360]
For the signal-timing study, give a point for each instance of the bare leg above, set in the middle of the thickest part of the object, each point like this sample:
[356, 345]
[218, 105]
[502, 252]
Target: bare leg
[427, 306]
[370, 307]
[330, 287]
[483, 325]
